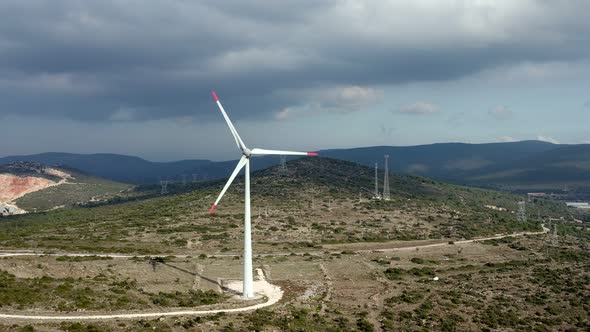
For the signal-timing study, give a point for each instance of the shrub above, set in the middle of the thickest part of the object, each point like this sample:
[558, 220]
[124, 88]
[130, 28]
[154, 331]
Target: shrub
[417, 260]
[394, 273]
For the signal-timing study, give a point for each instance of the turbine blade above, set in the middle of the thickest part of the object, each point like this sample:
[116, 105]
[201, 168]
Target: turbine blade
[239, 167]
[262, 152]
[233, 130]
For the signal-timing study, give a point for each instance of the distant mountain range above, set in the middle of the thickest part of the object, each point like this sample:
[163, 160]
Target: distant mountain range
[513, 165]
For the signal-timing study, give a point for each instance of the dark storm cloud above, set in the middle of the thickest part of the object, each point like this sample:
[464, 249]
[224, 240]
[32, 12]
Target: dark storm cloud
[133, 60]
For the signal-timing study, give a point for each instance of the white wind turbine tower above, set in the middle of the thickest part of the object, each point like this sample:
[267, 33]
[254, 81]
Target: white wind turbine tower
[248, 290]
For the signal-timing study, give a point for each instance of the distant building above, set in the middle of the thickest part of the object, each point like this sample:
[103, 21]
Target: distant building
[578, 205]
[493, 207]
[536, 195]
[6, 210]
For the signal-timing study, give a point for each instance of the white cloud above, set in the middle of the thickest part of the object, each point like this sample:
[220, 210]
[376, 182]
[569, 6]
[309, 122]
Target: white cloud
[342, 99]
[506, 139]
[419, 108]
[349, 98]
[501, 113]
[547, 139]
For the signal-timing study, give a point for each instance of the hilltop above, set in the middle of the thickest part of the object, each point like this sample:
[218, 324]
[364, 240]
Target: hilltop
[30, 186]
[316, 193]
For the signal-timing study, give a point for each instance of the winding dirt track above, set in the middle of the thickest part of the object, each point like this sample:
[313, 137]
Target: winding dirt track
[262, 287]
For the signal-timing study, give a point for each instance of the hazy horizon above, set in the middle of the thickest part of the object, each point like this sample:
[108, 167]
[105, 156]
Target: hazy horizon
[237, 153]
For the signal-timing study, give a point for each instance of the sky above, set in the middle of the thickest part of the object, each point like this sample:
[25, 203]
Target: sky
[135, 77]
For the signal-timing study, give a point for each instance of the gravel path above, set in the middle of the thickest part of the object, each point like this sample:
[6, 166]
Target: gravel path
[262, 287]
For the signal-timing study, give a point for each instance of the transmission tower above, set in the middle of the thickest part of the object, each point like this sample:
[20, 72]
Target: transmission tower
[195, 178]
[164, 184]
[376, 195]
[386, 179]
[554, 241]
[184, 179]
[521, 215]
[283, 166]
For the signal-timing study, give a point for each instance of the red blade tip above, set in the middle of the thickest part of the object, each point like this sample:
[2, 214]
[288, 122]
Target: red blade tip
[312, 153]
[214, 95]
[212, 208]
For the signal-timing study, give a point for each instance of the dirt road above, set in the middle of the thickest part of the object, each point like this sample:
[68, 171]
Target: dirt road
[13, 253]
[261, 287]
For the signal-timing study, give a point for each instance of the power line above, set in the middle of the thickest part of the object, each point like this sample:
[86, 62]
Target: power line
[386, 179]
[376, 195]
[521, 215]
[554, 240]
[283, 166]
[164, 185]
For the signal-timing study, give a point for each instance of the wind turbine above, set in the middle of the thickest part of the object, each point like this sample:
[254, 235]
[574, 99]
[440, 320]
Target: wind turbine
[248, 291]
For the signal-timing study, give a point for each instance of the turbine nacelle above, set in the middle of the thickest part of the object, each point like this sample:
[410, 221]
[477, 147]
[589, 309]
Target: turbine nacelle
[247, 153]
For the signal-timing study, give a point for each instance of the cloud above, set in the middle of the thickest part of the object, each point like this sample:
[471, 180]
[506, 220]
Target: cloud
[81, 60]
[527, 72]
[506, 139]
[342, 99]
[547, 139]
[419, 108]
[501, 113]
[347, 98]
[283, 114]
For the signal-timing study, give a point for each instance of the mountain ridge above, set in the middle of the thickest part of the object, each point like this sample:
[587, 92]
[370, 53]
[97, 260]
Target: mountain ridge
[481, 164]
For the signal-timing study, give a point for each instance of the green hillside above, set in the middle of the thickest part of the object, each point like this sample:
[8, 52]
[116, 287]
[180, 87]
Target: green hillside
[319, 201]
[344, 261]
[81, 188]
[553, 170]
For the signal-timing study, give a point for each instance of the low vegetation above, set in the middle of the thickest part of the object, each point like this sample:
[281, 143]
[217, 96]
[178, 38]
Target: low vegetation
[336, 277]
